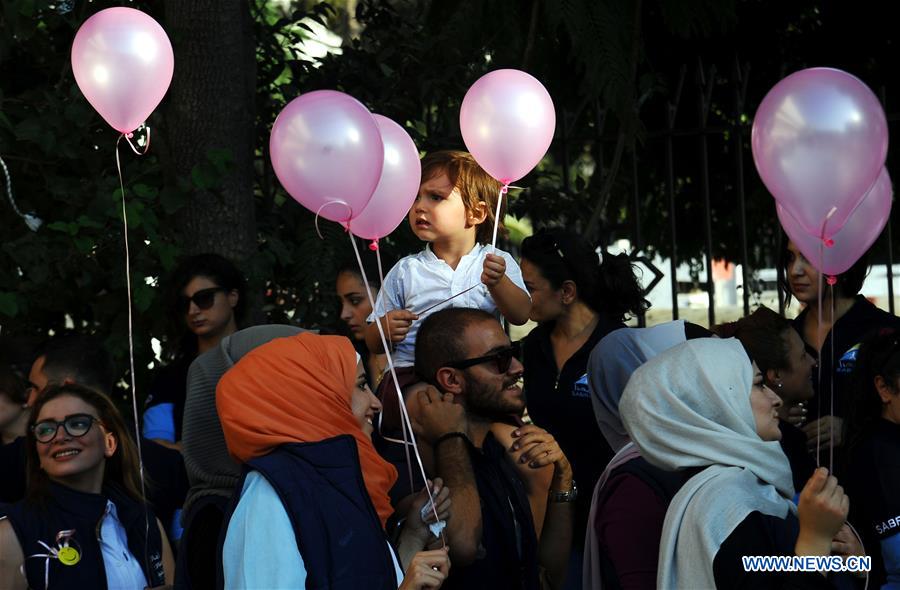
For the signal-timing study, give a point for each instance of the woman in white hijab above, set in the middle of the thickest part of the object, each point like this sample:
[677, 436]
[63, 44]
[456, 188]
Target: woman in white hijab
[703, 407]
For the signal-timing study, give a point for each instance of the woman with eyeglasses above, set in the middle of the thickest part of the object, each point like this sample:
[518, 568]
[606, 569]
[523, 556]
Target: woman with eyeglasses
[874, 445]
[83, 522]
[207, 302]
[577, 298]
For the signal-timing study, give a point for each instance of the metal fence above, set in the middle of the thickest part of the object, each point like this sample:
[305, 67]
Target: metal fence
[707, 87]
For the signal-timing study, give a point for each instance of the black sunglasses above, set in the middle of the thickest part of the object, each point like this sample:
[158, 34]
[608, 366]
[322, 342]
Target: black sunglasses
[203, 299]
[76, 425]
[502, 359]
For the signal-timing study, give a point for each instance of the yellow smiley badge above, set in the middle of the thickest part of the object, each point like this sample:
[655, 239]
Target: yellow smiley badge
[69, 556]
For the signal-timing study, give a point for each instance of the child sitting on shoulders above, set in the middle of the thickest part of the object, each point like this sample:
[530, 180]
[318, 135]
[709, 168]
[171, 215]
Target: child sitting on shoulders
[454, 214]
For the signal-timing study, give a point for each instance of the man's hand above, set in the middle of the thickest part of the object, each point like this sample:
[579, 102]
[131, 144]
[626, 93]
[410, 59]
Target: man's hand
[397, 323]
[494, 270]
[438, 415]
[417, 520]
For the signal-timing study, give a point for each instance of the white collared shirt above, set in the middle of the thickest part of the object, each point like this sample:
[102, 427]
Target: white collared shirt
[123, 572]
[422, 280]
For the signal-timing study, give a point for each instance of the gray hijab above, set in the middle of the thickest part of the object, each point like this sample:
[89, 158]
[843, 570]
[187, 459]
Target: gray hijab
[690, 407]
[612, 362]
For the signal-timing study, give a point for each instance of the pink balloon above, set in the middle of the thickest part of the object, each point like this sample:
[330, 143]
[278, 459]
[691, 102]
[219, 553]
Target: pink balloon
[819, 142]
[123, 64]
[853, 240]
[397, 188]
[327, 152]
[507, 120]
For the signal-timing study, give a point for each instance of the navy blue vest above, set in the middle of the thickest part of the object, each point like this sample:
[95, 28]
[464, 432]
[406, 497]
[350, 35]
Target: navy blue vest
[66, 509]
[338, 532]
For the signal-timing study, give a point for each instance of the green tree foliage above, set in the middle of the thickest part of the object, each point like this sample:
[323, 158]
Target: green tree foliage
[612, 66]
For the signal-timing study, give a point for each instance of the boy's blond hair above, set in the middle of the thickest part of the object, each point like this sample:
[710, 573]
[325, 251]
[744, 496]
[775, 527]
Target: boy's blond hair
[474, 185]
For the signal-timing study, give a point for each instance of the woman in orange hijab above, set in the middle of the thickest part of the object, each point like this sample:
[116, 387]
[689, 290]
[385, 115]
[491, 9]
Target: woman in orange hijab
[314, 497]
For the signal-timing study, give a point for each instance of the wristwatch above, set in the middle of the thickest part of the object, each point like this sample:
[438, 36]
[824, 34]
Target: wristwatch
[568, 496]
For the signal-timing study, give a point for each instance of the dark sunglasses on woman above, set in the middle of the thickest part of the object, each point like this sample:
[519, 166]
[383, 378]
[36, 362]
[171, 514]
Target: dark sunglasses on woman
[502, 359]
[203, 299]
[76, 425]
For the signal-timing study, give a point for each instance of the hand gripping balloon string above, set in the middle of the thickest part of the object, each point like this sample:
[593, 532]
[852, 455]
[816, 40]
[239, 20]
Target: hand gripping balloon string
[31, 220]
[137, 429]
[62, 540]
[406, 424]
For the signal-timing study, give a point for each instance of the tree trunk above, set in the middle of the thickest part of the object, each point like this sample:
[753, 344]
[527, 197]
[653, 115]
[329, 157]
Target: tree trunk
[211, 106]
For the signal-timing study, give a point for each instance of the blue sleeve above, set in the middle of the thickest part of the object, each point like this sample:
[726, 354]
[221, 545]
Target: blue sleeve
[890, 553]
[260, 548]
[159, 422]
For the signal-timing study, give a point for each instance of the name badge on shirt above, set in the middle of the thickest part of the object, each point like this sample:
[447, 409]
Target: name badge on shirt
[581, 388]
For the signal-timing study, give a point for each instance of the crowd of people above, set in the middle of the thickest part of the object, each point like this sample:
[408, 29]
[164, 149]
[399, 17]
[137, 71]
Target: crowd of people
[588, 455]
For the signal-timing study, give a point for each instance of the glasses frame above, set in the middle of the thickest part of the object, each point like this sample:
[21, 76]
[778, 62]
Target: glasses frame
[65, 425]
[184, 302]
[504, 355]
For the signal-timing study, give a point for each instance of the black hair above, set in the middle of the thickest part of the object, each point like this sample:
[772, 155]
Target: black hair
[440, 339]
[219, 270]
[849, 283]
[609, 287]
[13, 384]
[78, 358]
[762, 334]
[370, 265]
[878, 355]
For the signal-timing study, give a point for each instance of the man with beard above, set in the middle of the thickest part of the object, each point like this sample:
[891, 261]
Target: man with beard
[474, 376]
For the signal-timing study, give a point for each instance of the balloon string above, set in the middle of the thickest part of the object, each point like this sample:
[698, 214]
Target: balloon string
[137, 429]
[819, 349]
[402, 405]
[128, 137]
[503, 190]
[319, 211]
[387, 350]
[31, 220]
[831, 378]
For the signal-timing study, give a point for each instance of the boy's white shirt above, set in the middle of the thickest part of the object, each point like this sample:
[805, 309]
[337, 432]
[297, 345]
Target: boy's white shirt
[422, 280]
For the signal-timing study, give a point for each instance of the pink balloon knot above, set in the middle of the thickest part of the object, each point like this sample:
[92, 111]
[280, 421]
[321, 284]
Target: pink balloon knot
[831, 280]
[504, 189]
[829, 243]
[129, 135]
[374, 245]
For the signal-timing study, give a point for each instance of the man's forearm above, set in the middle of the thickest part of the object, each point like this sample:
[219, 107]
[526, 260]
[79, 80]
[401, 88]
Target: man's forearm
[454, 466]
[556, 538]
